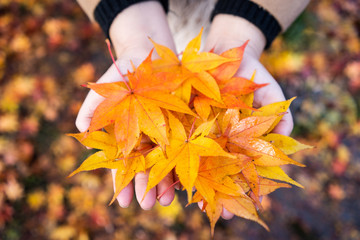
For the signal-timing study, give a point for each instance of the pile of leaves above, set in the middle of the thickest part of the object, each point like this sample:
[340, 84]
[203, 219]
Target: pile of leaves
[195, 117]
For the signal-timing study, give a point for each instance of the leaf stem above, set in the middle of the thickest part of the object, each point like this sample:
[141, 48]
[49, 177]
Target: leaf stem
[112, 57]
[192, 129]
[162, 194]
[179, 54]
[192, 100]
[217, 122]
[146, 150]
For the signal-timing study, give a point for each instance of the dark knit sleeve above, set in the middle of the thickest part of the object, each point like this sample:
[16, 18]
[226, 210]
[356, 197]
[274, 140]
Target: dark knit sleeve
[106, 11]
[252, 12]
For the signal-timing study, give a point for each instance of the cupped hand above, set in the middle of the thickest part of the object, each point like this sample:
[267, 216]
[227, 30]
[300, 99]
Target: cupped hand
[129, 34]
[227, 32]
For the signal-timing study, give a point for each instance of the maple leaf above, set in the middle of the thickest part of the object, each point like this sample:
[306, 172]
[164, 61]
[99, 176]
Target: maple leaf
[126, 170]
[184, 153]
[266, 185]
[138, 108]
[192, 68]
[109, 158]
[231, 88]
[244, 135]
[252, 179]
[227, 70]
[202, 105]
[240, 86]
[215, 199]
[241, 206]
[232, 92]
[110, 155]
[244, 138]
[95, 161]
[214, 176]
[276, 173]
[286, 144]
[100, 140]
[278, 108]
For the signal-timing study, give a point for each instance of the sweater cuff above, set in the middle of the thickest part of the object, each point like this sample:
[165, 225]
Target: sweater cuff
[252, 12]
[106, 11]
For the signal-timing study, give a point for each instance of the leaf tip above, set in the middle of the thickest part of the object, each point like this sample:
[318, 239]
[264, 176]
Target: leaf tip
[292, 99]
[145, 193]
[72, 174]
[152, 41]
[113, 199]
[253, 76]
[245, 44]
[262, 223]
[301, 165]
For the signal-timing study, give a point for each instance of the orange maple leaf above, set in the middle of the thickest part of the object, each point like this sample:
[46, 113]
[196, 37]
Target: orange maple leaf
[241, 206]
[111, 158]
[104, 141]
[106, 158]
[184, 153]
[244, 137]
[192, 68]
[234, 93]
[227, 70]
[214, 175]
[138, 108]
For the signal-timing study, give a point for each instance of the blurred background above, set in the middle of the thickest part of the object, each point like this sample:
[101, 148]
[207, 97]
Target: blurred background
[49, 48]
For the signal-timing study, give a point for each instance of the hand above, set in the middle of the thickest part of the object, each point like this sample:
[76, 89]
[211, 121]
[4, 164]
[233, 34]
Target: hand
[230, 31]
[222, 38]
[129, 34]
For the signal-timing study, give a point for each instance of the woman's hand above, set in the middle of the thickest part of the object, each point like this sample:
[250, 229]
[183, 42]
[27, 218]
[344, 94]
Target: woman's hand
[229, 31]
[129, 34]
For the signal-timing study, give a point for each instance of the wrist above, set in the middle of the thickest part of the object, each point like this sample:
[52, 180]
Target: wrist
[134, 25]
[229, 31]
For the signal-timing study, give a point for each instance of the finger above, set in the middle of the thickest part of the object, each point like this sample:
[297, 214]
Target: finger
[270, 94]
[147, 202]
[200, 205]
[126, 195]
[87, 110]
[164, 189]
[176, 179]
[225, 214]
[258, 208]
[93, 99]
[286, 125]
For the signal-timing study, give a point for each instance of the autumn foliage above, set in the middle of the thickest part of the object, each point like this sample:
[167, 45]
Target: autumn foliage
[195, 117]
